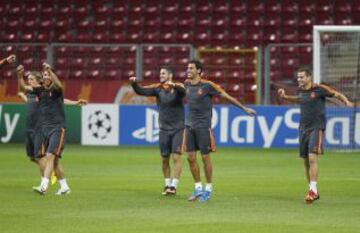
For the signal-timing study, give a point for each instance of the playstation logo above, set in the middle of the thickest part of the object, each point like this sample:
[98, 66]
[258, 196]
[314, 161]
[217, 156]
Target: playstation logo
[150, 132]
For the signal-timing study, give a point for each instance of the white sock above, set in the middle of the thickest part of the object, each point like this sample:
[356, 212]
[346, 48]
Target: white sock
[167, 182]
[312, 186]
[174, 182]
[208, 187]
[198, 186]
[63, 184]
[44, 183]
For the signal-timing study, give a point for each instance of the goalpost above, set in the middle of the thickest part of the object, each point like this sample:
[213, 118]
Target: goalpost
[336, 62]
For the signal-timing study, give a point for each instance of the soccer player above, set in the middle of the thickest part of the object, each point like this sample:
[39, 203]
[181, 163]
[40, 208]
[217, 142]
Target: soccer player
[33, 114]
[9, 60]
[199, 135]
[50, 132]
[311, 98]
[169, 97]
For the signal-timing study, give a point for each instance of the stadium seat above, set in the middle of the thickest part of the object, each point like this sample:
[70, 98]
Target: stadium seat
[324, 6]
[289, 36]
[272, 6]
[307, 6]
[203, 6]
[342, 6]
[112, 74]
[61, 63]
[170, 7]
[27, 37]
[117, 37]
[238, 7]
[272, 21]
[289, 6]
[256, 6]
[343, 19]
[220, 7]
[324, 19]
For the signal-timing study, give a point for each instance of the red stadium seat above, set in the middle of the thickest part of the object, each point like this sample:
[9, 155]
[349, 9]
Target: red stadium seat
[221, 7]
[43, 37]
[324, 19]
[289, 6]
[272, 6]
[343, 19]
[272, 21]
[203, 6]
[170, 7]
[307, 6]
[202, 38]
[185, 37]
[289, 36]
[27, 37]
[65, 37]
[342, 6]
[238, 7]
[61, 63]
[324, 6]
[112, 74]
[256, 6]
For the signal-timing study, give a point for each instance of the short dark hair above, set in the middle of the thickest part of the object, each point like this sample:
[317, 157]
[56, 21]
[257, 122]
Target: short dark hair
[169, 69]
[198, 65]
[306, 70]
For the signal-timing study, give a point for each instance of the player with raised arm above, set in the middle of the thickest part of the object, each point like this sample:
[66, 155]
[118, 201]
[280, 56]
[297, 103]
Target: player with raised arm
[8, 60]
[50, 132]
[199, 135]
[33, 115]
[312, 98]
[169, 98]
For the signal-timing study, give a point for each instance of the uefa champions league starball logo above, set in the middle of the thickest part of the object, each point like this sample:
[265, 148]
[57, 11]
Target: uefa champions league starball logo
[99, 124]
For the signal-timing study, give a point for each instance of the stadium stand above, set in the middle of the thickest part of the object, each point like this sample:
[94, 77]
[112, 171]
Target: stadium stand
[205, 24]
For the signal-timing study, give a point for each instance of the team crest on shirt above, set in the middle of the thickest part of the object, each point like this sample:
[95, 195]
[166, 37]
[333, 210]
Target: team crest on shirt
[312, 95]
[200, 91]
[50, 93]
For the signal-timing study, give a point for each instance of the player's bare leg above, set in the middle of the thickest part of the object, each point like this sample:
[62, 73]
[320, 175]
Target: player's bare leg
[207, 168]
[307, 169]
[166, 172]
[208, 175]
[59, 171]
[195, 171]
[194, 166]
[177, 172]
[313, 173]
[48, 161]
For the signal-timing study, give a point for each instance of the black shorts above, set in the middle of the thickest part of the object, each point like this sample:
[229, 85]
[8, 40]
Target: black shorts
[200, 139]
[50, 140]
[171, 142]
[311, 142]
[29, 144]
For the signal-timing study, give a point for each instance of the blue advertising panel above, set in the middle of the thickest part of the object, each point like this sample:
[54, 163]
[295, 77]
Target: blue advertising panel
[273, 126]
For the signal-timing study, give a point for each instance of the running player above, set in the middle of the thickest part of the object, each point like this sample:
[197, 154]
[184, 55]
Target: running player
[50, 132]
[312, 99]
[199, 135]
[169, 97]
[9, 60]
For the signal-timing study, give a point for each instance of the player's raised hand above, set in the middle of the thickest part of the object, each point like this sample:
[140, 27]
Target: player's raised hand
[250, 111]
[281, 92]
[349, 104]
[46, 66]
[11, 59]
[132, 79]
[20, 71]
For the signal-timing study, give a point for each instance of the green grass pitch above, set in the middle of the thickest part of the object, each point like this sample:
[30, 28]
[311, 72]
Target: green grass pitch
[118, 189]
